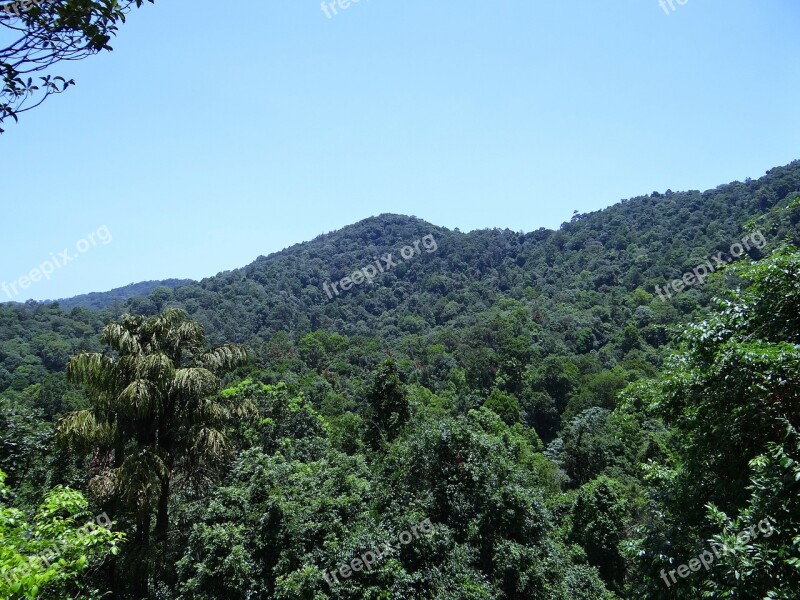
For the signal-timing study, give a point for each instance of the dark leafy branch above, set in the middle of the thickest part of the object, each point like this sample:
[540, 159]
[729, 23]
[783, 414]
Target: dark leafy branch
[34, 37]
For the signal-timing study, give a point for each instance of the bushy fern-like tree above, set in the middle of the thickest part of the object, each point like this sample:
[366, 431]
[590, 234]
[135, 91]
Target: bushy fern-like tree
[156, 416]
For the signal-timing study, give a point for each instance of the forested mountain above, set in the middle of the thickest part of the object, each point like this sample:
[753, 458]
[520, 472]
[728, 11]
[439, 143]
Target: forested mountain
[638, 243]
[530, 395]
[120, 294]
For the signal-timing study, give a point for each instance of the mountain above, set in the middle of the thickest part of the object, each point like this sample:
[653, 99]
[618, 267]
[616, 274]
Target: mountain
[571, 411]
[481, 302]
[120, 294]
[636, 244]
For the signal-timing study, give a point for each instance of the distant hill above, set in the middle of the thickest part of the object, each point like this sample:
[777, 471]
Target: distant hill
[498, 416]
[482, 306]
[120, 294]
[597, 259]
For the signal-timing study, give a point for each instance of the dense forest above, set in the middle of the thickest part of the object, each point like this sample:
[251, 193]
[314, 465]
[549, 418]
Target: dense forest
[484, 416]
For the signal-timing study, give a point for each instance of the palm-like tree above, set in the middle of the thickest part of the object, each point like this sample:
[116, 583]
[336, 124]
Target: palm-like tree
[155, 416]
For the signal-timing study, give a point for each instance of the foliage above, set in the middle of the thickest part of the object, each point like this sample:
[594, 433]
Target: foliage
[45, 555]
[599, 518]
[45, 33]
[430, 394]
[154, 415]
[389, 410]
[731, 397]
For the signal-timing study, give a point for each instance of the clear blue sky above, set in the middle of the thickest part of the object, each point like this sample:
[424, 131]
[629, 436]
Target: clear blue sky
[216, 132]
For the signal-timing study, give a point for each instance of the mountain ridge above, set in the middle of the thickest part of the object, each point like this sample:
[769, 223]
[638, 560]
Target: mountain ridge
[107, 298]
[336, 254]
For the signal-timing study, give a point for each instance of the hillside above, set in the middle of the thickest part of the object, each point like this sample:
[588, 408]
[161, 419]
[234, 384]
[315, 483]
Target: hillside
[587, 289]
[119, 295]
[513, 389]
[638, 243]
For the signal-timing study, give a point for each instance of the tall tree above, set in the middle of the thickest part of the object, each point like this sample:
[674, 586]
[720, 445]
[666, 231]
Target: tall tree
[389, 409]
[155, 414]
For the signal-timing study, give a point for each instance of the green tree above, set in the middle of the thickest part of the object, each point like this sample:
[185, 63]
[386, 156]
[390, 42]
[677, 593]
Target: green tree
[486, 487]
[589, 447]
[557, 377]
[597, 389]
[731, 397]
[505, 406]
[46, 33]
[277, 526]
[389, 409]
[155, 414]
[24, 440]
[287, 423]
[43, 557]
[598, 524]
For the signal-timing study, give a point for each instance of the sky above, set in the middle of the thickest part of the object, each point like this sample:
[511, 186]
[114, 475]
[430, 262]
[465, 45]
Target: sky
[218, 132]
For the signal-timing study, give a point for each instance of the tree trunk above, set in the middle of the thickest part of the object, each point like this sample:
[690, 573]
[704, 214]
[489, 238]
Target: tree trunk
[162, 516]
[142, 558]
